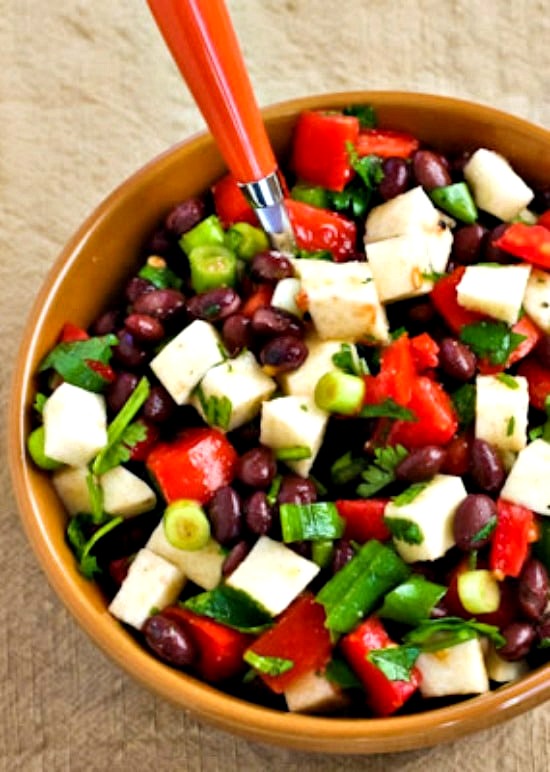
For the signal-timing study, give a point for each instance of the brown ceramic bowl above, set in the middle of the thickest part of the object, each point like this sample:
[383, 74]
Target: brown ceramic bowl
[87, 274]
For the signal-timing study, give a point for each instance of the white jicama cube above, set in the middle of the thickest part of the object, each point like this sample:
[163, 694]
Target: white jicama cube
[152, 583]
[203, 567]
[75, 425]
[292, 422]
[242, 383]
[402, 266]
[457, 669]
[273, 574]
[182, 363]
[536, 300]
[430, 516]
[528, 483]
[409, 212]
[284, 295]
[502, 405]
[72, 488]
[496, 187]
[342, 300]
[495, 290]
[302, 382]
[125, 494]
[501, 670]
[315, 693]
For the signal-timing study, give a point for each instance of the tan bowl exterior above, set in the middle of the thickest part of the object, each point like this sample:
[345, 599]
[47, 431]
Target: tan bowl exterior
[94, 263]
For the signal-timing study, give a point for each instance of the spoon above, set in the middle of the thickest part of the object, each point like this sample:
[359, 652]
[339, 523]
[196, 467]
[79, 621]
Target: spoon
[203, 43]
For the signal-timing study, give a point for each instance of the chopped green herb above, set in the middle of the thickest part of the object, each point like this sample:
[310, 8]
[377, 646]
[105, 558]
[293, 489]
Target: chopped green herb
[398, 333]
[494, 340]
[217, 410]
[436, 634]
[39, 402]
[310, 522]
[382, 471]
[485, 530]
[296, 453]
[339, 672]
[353, 201]
[396, 662]
[433, 275]
[544, 643]
[95, 493]
[348, 360]
[387, 409]
[409, 494]
[368, 167]
[274, 489]
[231, 607]
[77, 534]
[272, 666]
[320, 254]
[464, 401]
[365, 113]
[158, 273]
[510, 426]
[404, 529]
[346, 468]
[508, 380]
[71, 361]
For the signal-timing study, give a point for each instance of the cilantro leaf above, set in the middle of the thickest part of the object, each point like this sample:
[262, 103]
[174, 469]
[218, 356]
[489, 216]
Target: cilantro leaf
[494, 340]
[121, 451]
[365, 113]
[382, 471]
[217, 410]
[339, 672]
[346, 468]
[348, 360]
[409, 494]
[272, 666]
[353, 201]
[464, 401]
[387, 409]
[436, 634]
[158, 273]
[39, 402]
[508, 380]
[396, 662]
[368, 167]
[231, 607]
[320, 254]
[95, 493]
[404, 529]
[77, 534]
[71, 360]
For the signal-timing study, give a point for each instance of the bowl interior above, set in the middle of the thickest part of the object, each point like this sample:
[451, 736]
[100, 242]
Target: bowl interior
[90, 272]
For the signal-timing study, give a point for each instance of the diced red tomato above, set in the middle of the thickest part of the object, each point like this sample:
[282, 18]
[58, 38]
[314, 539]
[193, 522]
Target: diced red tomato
[318, 229]
[194, 465]
[105, 371]
[507, 609]
[320, 152]
[436, 421]
[544, 219]
[383, 695]
[364, 519]
[444, 298]
[528, 242]
[220, 648]
[141, 449]
[71, 332]
[531, 336]
[425, 352]
[259, 298]
[397, 368]
[538, 381]
[511, 538]
[299, 635]
[230, 204]
[386, 143]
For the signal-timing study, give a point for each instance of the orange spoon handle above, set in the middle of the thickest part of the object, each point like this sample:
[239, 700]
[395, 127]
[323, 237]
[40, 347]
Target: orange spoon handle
[201, 38]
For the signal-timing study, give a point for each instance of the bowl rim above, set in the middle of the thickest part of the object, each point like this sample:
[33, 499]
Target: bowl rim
[314, 733]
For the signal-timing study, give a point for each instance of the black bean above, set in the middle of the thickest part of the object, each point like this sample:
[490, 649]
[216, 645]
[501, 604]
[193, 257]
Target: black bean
[533, 590]
[396, 178]
[270, 267]
[185, 216]
[468, 243]
[258, 513]
[144, 328]
[137, 287]
[486, 467]
[159, 406]
[284, 353]
[128, 352]
[431, 169]
[235, 557]
[421, 464]
[161, 242]
[257, 467]
[343, 553]
[296, 490]
[170, 640]
[224, 512]
[421, 314]
[519, 637]
[269, 321]
[214, 305]
[456, 359]
[457, 455]
[236, 333]
[494, 254]
[164, 304]
[542, 350]
[474, 521]
[120, 389]
[107, 323]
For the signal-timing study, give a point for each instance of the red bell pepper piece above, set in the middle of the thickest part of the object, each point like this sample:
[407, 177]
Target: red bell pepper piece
[230, 204]
[436, 421]
[538, 381]
[104, 370]
[71, 332]
[320, 152]
[194, 465]
[397, 369]
[383, 695]
[141, 449]
[364, 519]
[299, 635]
[531, 336]
[514, 531]
[444, 298]
[319, 229]
[220, 648]
[528, 242]
[386, 143]
[424, 352]
[259, 298]
[544, 219]
[506, 612]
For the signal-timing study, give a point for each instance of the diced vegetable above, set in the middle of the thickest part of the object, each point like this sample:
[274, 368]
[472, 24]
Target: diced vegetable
[528, 242]
[386, 143]
[456, 200]
[412, 601]
[310, 522]
[212, 266]
[364, 519]
[186, 525]
[511, 538]
[316, 229]
[230, 204]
